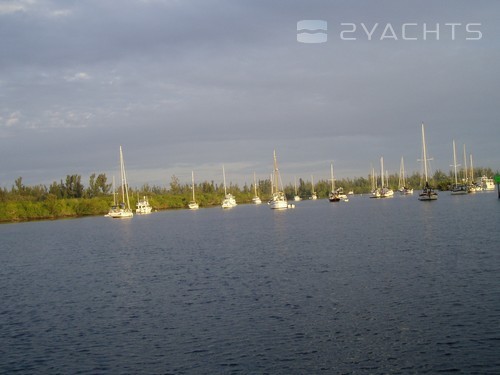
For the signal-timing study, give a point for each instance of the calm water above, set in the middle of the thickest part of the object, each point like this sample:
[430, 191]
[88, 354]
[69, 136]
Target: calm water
[368, 286]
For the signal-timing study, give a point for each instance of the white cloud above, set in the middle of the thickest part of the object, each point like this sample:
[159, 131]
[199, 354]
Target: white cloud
[78, 77]
[13, 6]
[13, 119]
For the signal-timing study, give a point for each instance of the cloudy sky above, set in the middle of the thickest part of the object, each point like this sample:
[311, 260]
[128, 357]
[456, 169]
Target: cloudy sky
[192, 85]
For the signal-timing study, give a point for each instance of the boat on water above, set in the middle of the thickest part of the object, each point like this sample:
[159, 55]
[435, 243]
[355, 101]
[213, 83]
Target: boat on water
[457, 189]
[336, 195]
[314, 196]
[384, 191]
[296, 196]
[486, 183]
[278, 198]
[121, 210]
[427, 193]
[402, 186]
[229, 200]
[256, 199]
[474, 186]
[193, 205]
[143, 207]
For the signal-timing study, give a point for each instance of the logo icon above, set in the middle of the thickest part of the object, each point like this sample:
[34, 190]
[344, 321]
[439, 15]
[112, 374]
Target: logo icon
[312, 31]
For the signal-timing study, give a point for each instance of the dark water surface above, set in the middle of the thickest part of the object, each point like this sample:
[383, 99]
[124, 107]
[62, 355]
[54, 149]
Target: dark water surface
[368, 286]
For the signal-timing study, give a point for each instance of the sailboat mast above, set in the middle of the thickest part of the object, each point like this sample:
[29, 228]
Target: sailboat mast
[192, 183]
[331, 173]
[254, 185]
[275, 171]
[114, 192]
[471, 169]
[124, 180]
[382, 172]
[224, 175]
[424, 152]
[465, 166]
[455, 163]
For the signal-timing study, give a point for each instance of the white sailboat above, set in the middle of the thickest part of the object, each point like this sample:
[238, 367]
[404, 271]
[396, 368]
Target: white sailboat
[375, 192]
[278, 200]
[256, 199]
[475, 186]
[428, 193]
[457, 189]
[313, 193]
[123, 209]
[402, 187]
[296, 197]
[229, 199]
[336, 195]
[193, 205]
[385, 191]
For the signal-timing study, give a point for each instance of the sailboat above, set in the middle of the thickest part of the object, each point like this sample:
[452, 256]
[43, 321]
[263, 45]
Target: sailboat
[296, 197]
[475, 186]
[313, 193]
[457, 189]
[428, 193]
[375, 191]
[123, 209]
[385, 191]
[336, 195]
[256, 199]
[229, 200]
[193, 205]
[403, 188]
[278, 200]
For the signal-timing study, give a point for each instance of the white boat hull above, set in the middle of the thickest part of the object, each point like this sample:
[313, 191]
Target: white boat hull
[278, 205]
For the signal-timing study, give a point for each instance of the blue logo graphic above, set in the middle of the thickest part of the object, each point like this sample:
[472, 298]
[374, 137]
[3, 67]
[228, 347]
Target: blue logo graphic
[312, 31]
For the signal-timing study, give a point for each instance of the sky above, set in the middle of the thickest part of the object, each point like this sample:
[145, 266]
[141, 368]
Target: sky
[194, 85]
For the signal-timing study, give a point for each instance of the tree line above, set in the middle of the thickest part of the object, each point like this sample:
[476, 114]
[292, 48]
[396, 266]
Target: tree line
[70, 197]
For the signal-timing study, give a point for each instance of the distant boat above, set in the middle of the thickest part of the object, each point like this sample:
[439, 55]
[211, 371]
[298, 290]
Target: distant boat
[122, 210]
[313, 193]
[143, 207]
[457, 189]
[296, 197]
[336, 195]
[486, 183]
[375, 191]
[402, 186]
[428, 193]
[229, 199]
[384, 191]
[256, 199]
[193, 205]
[474, 187]
[278, 199]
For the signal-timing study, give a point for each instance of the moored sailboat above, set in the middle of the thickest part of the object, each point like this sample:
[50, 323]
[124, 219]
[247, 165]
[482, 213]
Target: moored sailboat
[193, 205]
[256, 199]
[403, 187]
[457, 189]
[338, 194]
[229, 200]
[122, 210]
[278, 199]
[428, 193]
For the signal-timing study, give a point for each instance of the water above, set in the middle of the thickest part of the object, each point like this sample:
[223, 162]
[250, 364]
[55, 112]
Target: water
[364, 287]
